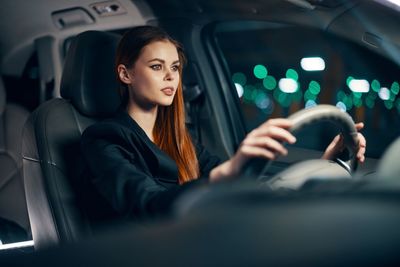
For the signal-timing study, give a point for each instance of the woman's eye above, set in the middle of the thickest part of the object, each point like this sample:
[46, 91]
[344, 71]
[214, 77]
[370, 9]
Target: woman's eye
[175, 68]
[156, 67]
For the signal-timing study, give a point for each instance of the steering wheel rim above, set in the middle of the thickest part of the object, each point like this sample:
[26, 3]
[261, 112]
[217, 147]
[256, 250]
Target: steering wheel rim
[304, 118]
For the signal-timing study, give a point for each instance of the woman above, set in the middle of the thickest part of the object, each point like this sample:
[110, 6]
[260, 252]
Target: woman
[141, 159]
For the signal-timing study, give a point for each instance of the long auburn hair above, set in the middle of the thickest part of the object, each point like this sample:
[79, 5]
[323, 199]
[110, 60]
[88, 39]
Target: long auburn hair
[170, 132]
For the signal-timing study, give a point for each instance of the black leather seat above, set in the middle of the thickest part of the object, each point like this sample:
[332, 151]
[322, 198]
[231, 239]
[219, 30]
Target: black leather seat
[12, 196]
[52, 159]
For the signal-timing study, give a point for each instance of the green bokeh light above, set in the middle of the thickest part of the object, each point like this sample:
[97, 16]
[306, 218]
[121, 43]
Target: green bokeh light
[398, 105]
[260, 71]
[297, 96]
[254, 95]
[314, 87]
[388, 104]
[292, 74]
[340, 96]
[357, 102]
[269, 82]
[348, 102]
[284, 99]
[395, 88]
[349, 79]
[260, 98]
[357, 95]
[248, 91]
[276, 94]
[309, 96]
[372, 95]
[370, 102]
[239, 78]
[376, 85]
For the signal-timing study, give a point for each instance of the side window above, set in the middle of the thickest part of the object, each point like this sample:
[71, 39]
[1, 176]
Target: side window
[278, 71]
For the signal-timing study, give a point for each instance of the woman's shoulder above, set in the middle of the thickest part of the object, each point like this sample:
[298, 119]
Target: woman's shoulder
[105, 127]
[114, 127]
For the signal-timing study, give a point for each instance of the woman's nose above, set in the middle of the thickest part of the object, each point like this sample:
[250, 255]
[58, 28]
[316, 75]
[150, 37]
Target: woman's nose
[168, 75]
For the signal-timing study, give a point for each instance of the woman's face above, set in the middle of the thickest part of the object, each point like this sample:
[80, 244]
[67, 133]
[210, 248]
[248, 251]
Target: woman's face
[154, 78]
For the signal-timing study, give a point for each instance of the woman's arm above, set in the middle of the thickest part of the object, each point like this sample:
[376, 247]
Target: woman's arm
[266, 142]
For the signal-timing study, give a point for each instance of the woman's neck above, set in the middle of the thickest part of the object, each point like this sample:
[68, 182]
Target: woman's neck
[145, 118]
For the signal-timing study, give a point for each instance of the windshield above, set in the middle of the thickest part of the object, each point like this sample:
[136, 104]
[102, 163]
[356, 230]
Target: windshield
[277, 71]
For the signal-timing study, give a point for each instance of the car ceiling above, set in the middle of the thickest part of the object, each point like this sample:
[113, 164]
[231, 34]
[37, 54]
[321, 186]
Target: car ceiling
[370, 26]
[19, 33]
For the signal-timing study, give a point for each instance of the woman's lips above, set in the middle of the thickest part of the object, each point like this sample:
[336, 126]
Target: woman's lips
[169, 91]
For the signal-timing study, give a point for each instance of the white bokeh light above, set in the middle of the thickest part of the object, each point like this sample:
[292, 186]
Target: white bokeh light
[263, 102]
[310, 103]
[384, 93]
[359, 86]
[288, 85]
[239, 89]
[341, 106]
[312, 64]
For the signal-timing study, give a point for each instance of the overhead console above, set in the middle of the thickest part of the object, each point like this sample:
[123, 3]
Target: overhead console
[72, 17]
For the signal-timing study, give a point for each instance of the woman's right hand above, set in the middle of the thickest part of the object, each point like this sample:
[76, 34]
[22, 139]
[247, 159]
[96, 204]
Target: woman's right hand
[263, 142]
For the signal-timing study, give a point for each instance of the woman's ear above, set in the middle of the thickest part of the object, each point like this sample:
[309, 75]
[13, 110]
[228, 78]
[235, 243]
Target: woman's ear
[124, 74]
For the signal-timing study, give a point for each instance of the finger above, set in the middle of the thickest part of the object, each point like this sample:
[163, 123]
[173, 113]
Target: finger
[333, 144]
[276, 133]
[337, 140]
[268, 143]
[257, 152]
[337, 143]
[334, 147]
[359, 126]
[362, 142]
[361, 154]
[280, 122]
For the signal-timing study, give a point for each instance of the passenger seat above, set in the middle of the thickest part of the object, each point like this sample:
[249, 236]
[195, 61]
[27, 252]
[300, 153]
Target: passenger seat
[12, 194]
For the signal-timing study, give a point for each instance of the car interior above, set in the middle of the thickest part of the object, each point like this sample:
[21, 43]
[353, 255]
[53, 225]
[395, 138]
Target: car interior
[12, 119]
[57, 78]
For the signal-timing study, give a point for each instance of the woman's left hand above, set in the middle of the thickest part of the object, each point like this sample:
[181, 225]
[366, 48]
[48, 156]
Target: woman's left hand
[337, 145]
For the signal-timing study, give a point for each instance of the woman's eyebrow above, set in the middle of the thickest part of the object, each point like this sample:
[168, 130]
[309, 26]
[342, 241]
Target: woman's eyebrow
[163, 61]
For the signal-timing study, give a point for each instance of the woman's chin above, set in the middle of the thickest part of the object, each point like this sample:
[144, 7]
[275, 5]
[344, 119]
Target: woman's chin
[166, 102]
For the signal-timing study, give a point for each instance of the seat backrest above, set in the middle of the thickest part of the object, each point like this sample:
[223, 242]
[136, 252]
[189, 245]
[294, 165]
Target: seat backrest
[12, 196]
[57, 200]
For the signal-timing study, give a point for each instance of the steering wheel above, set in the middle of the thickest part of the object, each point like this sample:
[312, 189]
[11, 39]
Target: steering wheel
[297, 174]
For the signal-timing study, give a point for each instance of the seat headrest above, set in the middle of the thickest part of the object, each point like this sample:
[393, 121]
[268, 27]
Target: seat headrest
[2, 97]
[88, 78]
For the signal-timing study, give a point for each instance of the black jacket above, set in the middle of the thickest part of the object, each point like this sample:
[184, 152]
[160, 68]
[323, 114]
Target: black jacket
[134, 176]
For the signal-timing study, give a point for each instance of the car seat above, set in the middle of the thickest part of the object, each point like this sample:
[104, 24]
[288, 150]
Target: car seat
[12, 196]
[52, 162]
